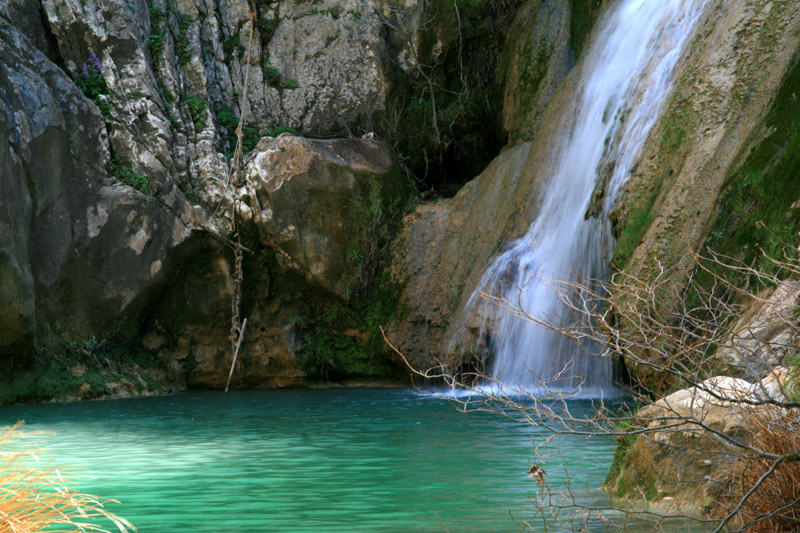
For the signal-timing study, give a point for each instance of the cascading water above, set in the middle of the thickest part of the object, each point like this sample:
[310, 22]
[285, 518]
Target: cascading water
[625, 78]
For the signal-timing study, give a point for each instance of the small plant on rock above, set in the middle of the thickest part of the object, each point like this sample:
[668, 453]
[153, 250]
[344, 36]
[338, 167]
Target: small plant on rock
[128, 176]
[92, 84]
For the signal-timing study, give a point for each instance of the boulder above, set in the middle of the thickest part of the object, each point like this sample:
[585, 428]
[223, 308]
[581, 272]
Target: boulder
[313, 201]
[678, 463]
[765, 334]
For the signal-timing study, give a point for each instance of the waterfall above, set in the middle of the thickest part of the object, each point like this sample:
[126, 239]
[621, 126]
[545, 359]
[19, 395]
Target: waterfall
[624, 80]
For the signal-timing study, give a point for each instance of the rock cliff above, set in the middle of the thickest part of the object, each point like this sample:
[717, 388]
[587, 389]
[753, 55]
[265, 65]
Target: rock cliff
[120, 200]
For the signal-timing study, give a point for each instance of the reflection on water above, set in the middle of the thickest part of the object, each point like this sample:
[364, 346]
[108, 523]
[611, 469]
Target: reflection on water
[303, 460]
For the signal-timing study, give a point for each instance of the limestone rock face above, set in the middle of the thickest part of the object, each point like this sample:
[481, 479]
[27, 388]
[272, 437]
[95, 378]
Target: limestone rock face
[309, 199]
[765, 335]
[108, 189]
[336, 54]
[535, 61]
[76, 247]
[715, 117]
[442, 251]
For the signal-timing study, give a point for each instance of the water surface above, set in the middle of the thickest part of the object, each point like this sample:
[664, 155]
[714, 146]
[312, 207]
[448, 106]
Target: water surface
[306, 460]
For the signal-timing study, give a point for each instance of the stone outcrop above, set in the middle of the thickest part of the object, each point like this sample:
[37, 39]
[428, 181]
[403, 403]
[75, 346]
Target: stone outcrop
[685, 465]
[765, 335]
[442, 251]
[309, 198]
[305, 207]
[113, 204]
[75, 243]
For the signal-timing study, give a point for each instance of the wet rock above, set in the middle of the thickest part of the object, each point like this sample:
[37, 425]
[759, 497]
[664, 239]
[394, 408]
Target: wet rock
[535, 61]
[442, 251]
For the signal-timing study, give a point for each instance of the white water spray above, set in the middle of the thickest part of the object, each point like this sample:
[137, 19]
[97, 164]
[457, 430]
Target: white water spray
[625, 78]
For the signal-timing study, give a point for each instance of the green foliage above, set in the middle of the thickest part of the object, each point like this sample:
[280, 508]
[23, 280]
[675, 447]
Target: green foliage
[583, 14]
[92, 83]
[182, 47]
[166, 95]
[155, 41]
[291, 83]
[272, 76]
[277, 130]
[128, 176]
[356, 15]
[66, 368]
[197, 109]
[266, 28]
[447, 116]
[227, 118]
[344, 340]
[230, 121]
[232, 46]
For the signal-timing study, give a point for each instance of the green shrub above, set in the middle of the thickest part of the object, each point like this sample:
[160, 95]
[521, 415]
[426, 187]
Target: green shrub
[128, 176]
[232, 45]
[277, 130]
[182, 47]
[228, 120]
[155, 41]
[92, 83]
[291, 83]
[197, 109]
[272, 76]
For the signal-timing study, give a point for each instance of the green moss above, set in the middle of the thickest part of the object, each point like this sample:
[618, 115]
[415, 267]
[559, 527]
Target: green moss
[342, 339]
[197, 109]
[631, 234]
[65, 368]
[756, 208]
[583, 14]
[678, 121]
[535, 64]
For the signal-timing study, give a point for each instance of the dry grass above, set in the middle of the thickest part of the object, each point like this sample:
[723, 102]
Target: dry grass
[34, 496]
[775, 505]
